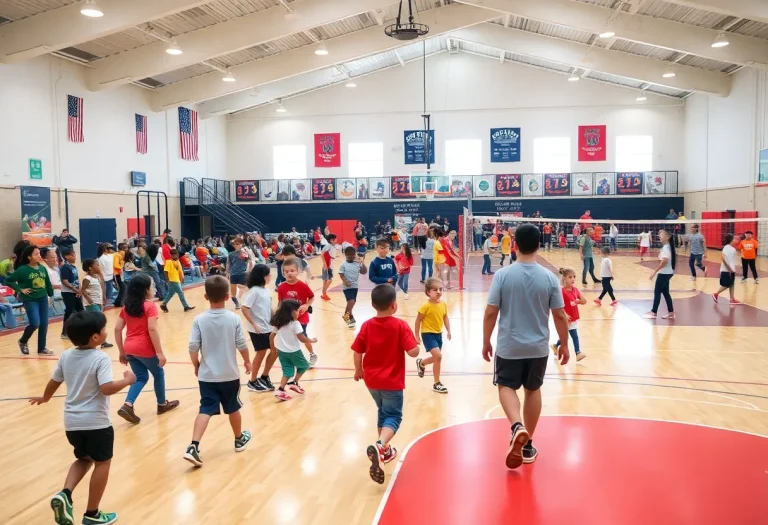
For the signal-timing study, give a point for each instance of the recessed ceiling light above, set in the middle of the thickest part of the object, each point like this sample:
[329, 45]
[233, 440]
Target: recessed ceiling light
[280, 108]
[721, 40]
[641, 97]
[321, 50]
[668, 73]
[573, 78]
[91, 9]
[173, 48]
[607, 34]
[229, 77]
[351, 85]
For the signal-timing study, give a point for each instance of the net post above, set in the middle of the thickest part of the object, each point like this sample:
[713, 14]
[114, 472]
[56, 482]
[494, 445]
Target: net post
[462, 248]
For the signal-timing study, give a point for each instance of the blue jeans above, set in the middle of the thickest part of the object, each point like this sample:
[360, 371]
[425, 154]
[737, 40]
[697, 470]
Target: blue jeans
[6, 310]
[402, 281]
[486, 263]
[37, 313]
[175, 289]
[695, 260]
[142, 367]
[390, 405]
[110, 290]
[426, 268]
[160, 287]
[280, 277]
[614, 246]
[478, 241]
[575, 337]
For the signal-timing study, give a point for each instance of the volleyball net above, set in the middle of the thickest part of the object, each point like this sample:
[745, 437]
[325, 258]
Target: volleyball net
[621, 237]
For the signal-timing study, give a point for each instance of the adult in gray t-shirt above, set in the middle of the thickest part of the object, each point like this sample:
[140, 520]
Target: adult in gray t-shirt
[696, 241]
[586, 247]
[521, 297]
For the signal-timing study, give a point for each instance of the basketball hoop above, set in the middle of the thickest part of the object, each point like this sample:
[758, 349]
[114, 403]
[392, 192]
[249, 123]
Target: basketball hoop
[429, 190]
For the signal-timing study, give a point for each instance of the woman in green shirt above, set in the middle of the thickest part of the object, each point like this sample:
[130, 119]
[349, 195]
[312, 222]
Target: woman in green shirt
[34, 287]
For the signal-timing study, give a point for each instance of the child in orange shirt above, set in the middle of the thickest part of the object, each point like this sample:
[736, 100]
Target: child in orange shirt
[201, 254]
[748, 247]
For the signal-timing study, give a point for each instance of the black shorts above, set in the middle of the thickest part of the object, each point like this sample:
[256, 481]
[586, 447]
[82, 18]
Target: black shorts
[260, 341]
[238, 278]
[727, 279]
[350, 294]
[94, 444]
[514, 373]
[225, 394]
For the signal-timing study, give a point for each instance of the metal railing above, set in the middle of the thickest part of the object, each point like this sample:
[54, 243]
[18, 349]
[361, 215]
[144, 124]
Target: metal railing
[233, 217]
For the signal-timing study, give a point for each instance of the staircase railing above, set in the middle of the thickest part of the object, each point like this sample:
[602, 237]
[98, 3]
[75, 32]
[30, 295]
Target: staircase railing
[220, 208]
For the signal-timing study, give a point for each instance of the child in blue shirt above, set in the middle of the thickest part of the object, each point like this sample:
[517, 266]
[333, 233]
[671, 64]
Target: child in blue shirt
[382, 269]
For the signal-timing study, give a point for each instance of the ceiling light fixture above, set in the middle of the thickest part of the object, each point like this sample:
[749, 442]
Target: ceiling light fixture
[173, 48]
[407, 31]
[668, 73]
[351, 85]
[607, 34]
[229, 77]
[721, 40]
[91, 9]
[321, 50]
[280, 108]
[641, 97]
[573, 78]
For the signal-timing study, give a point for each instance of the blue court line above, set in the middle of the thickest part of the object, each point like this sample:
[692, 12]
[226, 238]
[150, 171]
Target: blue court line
[550, 378]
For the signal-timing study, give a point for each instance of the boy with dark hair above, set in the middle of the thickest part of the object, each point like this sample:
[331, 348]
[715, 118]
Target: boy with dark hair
[218, 333]
[350, 274]
[174, 276]
[327, 255]
[88, 374]
[237, 270]
[384, 340]
[70, 287]
[382, 269]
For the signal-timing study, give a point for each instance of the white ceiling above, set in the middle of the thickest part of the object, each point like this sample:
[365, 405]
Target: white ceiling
[126, 45]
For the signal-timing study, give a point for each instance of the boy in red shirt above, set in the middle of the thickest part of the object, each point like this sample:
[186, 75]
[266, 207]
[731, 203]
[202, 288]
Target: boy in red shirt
[299, 291]
[384, 339]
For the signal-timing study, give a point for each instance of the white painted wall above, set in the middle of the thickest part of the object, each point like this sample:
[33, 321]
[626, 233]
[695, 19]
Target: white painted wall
[33, 101]
[466, 95]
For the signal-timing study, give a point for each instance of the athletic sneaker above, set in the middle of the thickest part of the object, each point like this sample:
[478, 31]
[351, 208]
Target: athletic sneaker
[598, 302]
[164, 307]
[107, 345]
[757, 281]
[63, 512]
[237, 303]
[405, 296]
[520, 438]
[282, 395]
[554, 348]
[387, 456]
[193, 456]
[267, 382]
[439, 388]
[651, 315]
[668, 316]
[352, 322]
[375, 471]
[126, 412]
[325, 297]
[529, 453]
[692, 279]
[346, 317]
[743, 279]
[293, 385]
[103, 518]
[241, 443]
[45, 351]
[580, 356]
[714, 297]
[312, 360]
[24, 348]
[614, 303]
[420, 369]
[256, 386]
[735, 302]
[189, 308]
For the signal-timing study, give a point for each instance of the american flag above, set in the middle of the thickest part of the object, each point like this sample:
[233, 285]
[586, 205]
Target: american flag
[75, 119]
[188, 133]
[141, 134]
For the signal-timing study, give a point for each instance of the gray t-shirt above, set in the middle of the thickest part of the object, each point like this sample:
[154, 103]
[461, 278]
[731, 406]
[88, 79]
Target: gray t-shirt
[218, 333]
[84, 371]
[525, 293]
[587, 244]
[429, 250]
[350, 271]
[697, 243]
[237, 265]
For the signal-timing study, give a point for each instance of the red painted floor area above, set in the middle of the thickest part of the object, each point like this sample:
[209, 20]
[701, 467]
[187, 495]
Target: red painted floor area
[590, 471]
[701, 310]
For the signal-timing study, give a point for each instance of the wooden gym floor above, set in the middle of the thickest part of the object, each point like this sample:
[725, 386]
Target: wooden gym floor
[306, 463]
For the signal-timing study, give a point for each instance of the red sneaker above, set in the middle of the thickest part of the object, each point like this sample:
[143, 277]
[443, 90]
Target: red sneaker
[714, 297]
[614, 303]
[386, 455]
[598, 302]
[325, 297]
[282, 395]
[296, 388]
[736, 301]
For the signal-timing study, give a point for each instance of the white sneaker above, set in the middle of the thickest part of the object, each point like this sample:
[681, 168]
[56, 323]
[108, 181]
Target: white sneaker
[693, 279]
[405, 296]
[312, 360]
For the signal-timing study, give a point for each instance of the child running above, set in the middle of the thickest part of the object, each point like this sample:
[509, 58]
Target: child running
[299, 291]
[404, 261]
[350, 274]
[382, 267]
[379, 352]
[327, 255]
[174, 276]
[606, 276]
[572, 299]
[257, 310]
[285, 340]
[728, 269]
[433, 315]
[88, 374]
[218, 334]
[141, 349]
[645, 243]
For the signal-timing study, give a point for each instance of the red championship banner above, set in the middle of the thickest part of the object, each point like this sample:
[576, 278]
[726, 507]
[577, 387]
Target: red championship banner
[327, 150]
[592, 143]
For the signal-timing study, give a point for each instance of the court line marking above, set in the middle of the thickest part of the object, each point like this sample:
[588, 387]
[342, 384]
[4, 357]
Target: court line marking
[396, 472]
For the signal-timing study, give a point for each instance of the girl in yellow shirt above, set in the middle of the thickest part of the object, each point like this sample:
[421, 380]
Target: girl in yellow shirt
[433, 316]
[439, 254]
[506, 247]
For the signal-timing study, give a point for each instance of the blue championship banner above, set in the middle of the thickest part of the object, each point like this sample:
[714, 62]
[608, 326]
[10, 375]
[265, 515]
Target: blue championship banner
[557, 184]
[505, 144]
[415, 144]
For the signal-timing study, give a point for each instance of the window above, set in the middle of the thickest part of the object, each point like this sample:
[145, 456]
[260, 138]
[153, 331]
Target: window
[366, 159]
[634, 153]
[464, 157]
[552, 155]
[289, 162]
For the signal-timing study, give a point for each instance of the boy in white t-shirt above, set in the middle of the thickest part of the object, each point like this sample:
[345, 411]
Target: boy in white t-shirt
[728, 269]
[606, 276]
[645, 243]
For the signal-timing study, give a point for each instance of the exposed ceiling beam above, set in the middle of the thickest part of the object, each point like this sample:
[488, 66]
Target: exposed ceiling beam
[752, 9]
[378, 16]
[66, 27]
[601, 60]
[744, 50]
[226, 37]
[340, 49]
[400, 58]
